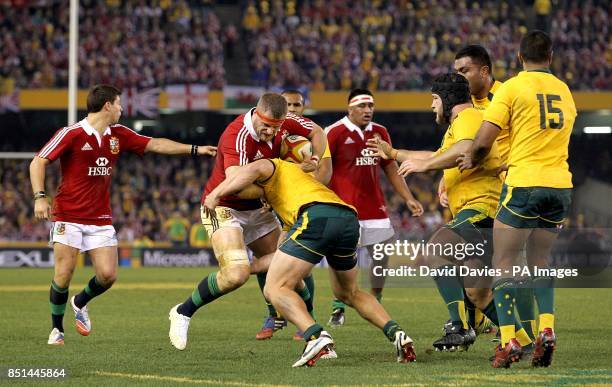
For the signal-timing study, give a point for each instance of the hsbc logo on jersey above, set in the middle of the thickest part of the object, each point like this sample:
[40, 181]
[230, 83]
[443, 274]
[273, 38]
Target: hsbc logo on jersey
[101, 169]
[102, 162]
[367, 158]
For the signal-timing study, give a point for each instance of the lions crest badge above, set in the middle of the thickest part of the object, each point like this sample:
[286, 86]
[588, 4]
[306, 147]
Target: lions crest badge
[114, 145]
[224, 213]
[60, 228]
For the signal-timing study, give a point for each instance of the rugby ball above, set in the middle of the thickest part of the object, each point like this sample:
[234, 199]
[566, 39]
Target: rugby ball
[295, 149]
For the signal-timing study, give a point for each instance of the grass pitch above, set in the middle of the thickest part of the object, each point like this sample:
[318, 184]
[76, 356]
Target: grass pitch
[129, 343]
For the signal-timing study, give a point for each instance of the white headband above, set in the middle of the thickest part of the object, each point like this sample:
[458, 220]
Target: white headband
[361, 98]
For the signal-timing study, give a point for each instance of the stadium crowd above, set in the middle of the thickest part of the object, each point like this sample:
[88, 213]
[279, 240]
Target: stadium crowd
[322, 45]
[401, 44]
[144, 44]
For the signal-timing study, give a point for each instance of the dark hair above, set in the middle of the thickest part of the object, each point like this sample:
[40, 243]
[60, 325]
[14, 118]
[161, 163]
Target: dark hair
[99, 95]
[453, 89]
[293, 91]
[477, 53]
[356, 92]
[273, 103]
[536, 47]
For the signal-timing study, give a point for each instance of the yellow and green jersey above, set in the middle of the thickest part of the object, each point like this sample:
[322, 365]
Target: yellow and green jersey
[503, 139]
[477, 188]
[540, 112]
[177, 228]
[198, 237]
[289, 189]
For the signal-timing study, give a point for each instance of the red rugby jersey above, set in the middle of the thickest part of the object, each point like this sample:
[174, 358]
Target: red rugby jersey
[356, 172]
[239, 145]
[87, 160]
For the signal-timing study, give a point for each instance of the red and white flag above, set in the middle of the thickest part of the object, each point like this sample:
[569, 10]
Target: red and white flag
[187, 97]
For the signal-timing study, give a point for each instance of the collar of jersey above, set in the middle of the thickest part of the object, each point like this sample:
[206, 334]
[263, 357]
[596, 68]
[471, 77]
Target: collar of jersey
[90, 130]
[248, 122]
[354, 128]
[542, 70]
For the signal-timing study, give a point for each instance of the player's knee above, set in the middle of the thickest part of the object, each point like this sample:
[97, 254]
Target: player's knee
[63, 279]
[346, 295]
[107, 277]
[234, 277]
[480, 297]
[269, 291]
[63, 276]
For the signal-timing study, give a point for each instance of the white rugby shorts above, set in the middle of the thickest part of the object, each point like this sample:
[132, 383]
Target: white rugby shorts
[84, 237]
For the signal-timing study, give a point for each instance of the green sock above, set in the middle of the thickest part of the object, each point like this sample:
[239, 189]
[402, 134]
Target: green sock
[545, 297]
[58, 297]
[206, 292]
[525, 306]
[378, 296]
[504, 294]
[452, 292]
[261, 280]
[93, 289]
[470, 310]
[337, 304]
[390, 328]
[544, 291]
[306, 297]
[313, 332]
[310, 284]
[491, 312]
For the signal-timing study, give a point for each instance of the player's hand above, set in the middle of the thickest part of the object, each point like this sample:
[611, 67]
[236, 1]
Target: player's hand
[207, 150]
[415, 207]
[381, 148]
[309, 165]
[412, 166]
[442, 196]
[266, 207]
[42, 209]
[210, 203]
[465, 162]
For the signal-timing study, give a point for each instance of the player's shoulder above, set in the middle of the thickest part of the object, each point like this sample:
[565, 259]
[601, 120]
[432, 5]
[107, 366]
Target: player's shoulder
[468, 118]
[379, 128]
[235, 128]
[70, 131]
[118, 128]
[306, 122]
[337, 126]
[123, 131]
[472, 113]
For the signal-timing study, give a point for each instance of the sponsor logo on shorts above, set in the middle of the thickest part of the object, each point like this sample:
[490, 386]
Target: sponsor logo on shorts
[114, 145]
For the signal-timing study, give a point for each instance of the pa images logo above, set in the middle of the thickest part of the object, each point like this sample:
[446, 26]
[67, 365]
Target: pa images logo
[60, 229]
[114, 145]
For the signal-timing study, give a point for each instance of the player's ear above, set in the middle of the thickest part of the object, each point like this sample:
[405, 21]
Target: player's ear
[484, 70]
